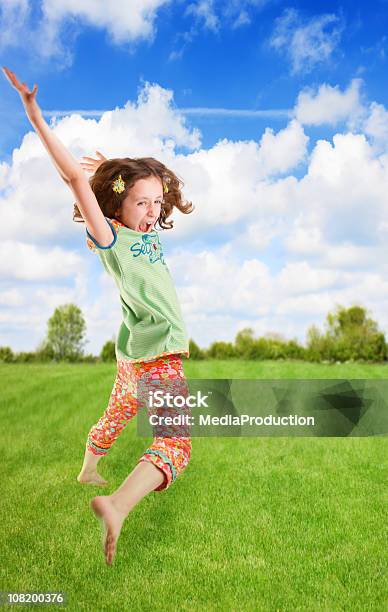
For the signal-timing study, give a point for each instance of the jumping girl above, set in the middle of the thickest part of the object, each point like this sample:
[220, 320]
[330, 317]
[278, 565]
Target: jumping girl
[120, 205]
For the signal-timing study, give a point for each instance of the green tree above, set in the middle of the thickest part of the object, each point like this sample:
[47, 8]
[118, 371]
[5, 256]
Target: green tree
[65, 334]
[108, 351]
[258, 349]
[347, 321]
[294, 350]
[26, 357]
[44, 351]
[195, 351]
[6, 354]
[317, 345]
[245, 343]
[355, 335]
[352, 334]
[221, 350]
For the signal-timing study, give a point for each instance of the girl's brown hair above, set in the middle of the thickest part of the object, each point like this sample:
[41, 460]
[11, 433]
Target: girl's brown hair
[131, 170]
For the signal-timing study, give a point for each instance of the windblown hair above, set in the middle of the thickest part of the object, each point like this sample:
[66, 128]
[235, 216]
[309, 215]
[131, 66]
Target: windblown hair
[131, 170]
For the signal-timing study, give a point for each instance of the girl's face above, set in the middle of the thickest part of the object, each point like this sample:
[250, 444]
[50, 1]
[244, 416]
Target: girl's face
[141, 208]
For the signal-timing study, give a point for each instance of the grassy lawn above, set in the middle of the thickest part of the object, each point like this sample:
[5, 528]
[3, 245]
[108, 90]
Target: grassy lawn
[252, 524]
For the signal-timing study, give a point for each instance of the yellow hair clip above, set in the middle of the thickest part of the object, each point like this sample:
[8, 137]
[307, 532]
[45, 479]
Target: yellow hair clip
[118, 185]
[167, 179]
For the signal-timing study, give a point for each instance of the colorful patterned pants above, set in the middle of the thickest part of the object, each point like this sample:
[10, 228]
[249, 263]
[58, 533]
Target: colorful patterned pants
[170, 452]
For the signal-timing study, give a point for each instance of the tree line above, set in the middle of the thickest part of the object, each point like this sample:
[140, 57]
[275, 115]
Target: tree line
[349, 335]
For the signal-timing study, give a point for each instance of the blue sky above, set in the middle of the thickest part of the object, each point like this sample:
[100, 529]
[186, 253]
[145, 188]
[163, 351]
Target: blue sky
[290, 96]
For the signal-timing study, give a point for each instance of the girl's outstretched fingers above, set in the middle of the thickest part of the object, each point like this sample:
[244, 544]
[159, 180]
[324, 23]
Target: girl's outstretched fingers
[88, 166]
[11, 76]
[91, 164]
[28, 97]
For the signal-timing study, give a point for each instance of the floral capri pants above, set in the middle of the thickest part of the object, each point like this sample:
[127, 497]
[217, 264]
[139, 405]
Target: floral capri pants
[168, 452]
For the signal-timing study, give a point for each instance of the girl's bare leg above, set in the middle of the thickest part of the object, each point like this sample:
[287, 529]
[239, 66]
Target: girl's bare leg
[113, 509]
[88, 473]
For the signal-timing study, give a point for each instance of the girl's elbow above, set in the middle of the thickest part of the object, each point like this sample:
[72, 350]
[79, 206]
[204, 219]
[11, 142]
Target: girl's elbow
[75, 177]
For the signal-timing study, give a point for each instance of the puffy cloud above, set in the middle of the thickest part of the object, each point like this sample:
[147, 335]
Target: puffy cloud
[228, 182]
[219, 296]
[299, 278]
[11, 297]
[124, 22]
[329, 104]
[13, 17]
[282, 152]
[376, 126]
[263, 247]
[340, 203]
[306, 42]
[151, 126]
[23, 261]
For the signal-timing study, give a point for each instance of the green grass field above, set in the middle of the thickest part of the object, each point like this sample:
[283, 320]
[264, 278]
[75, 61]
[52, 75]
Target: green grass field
[252, 524]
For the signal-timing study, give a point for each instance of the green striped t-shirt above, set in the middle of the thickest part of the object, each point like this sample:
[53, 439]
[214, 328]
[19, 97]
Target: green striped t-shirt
[152, 323]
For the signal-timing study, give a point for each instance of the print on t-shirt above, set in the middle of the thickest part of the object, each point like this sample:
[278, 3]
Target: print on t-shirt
[149, 246]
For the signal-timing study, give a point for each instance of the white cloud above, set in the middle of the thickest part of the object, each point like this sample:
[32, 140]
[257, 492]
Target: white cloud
[329, 104]
[23, 325]
[124, 22]
[204, 10]
[283, 151]
[127, 23]
[306, 42]
[311, 305]
[215, 282]
[227, 183]
[376, 126]
[28, 262]
[152, 127]
[213, 15]
[11, 297]
[259, 235]
[241, 20]
[13, 17]
[262, 247]
[304, 238]
[299, 278]
[219, 296]
[340, 203]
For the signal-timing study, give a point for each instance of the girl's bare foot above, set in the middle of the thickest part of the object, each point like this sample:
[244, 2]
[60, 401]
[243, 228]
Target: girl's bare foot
[112, 521]
[91, 478]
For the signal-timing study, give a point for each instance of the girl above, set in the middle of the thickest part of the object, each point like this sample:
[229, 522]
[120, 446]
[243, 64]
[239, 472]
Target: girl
[120, 206]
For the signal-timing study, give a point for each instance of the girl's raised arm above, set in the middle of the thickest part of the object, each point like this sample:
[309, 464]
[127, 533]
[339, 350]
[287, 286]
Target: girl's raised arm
[68, 167]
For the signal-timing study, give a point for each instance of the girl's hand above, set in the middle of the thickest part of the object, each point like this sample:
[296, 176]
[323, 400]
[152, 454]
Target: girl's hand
[28, 97]
[92, 164]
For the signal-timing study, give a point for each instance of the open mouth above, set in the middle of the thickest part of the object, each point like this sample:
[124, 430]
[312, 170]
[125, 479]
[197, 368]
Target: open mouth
[145, 227]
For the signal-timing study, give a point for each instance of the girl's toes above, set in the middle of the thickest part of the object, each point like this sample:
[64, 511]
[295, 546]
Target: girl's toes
[109, 549]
